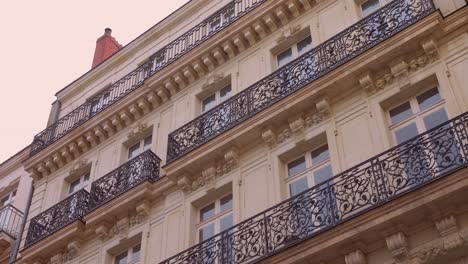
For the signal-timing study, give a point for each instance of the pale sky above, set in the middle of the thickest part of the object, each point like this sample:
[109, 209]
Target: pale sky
[47, 44]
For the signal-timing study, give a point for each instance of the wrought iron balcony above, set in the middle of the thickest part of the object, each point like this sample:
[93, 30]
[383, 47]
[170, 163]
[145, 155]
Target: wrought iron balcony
[165, 56]
[144, 167]
[10, 220]
[383, 178]
[353, 41]
[57, 217]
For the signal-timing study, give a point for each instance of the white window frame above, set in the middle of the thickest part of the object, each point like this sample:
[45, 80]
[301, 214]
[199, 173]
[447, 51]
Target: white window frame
[216, 219]
[308, 172]
[417, 114]
[83, 183]
[141, 146]
[9, 198]
[130, 252]
[218, 99]
[381, 4]
[295, 50]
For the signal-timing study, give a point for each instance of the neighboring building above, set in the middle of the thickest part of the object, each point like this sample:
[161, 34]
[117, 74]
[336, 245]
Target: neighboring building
[15, 185]
[215, 135]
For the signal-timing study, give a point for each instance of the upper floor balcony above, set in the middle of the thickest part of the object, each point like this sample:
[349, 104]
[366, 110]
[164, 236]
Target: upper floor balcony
[10, 223]
[433, 155]
[367, 33]
[177, 48]
[73, 209]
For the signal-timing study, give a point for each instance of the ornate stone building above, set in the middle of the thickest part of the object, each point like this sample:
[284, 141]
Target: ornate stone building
[263, 131]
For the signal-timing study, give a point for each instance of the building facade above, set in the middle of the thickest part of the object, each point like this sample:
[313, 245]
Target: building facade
[15, 190]
[260, 131]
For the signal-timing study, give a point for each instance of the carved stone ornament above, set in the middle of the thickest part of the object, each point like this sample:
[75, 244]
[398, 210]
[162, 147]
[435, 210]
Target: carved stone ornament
[297, 125]
[356, 257]
[269, 136]
[137, 131]
[398, 245]
[78, 166]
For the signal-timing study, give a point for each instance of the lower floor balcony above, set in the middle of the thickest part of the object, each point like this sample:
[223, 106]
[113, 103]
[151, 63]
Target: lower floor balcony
[362, 190]
[66, 220]
[10, 222]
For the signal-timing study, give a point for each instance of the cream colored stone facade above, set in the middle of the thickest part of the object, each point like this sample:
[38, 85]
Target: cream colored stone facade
[347, 109]
[15, 185]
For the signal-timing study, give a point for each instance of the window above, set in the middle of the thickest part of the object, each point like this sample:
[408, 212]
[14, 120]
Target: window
[418, 114]
[215, 218]
[369, 6]
[8, 199]
[132, 255]
[309, 170]
[294, 51]
[216, 98]
[78, 184]
[99, 101]
[139, 147]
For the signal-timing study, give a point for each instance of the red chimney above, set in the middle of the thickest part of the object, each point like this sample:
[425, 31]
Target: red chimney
[106, 46]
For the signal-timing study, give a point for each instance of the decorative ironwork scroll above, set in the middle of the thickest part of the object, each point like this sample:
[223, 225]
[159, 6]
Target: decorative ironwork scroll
[144, 167]
[67, 211]
[215, 23]
[10, 220]
[353, 41]
[411, 165]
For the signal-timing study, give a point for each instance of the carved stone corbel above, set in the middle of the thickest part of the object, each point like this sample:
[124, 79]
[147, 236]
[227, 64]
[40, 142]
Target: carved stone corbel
[56, 259]
[231, 158]
[449, 232]
[209, 176]
[143, 208]
[269, 136]
[73, 249]
[102, 231]
[323, 106]
[297, 125]
[356, 257]
[184, 183]
[400, 70]
[398, 245]
[431, 48]
[367, 83]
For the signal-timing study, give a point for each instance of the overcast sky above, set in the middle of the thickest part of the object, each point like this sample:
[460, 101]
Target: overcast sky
[47, 44]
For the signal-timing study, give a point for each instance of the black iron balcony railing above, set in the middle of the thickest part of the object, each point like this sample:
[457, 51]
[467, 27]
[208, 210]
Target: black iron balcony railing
[383, 178]
[10, 220]
[168, 54]
[58, 216]
[353, 41]
[144, 167]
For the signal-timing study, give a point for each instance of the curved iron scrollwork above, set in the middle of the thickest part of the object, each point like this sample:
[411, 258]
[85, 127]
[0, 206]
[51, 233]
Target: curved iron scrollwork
[144, 167]
[69, 210]
[353, 41]
[383, 178]
[10, 220]
[224, 17]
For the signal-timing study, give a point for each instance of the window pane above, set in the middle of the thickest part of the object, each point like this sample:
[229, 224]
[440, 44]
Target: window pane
[401, 112]
[85, 180]
[134, 150]
[225, 223]
[209, 103]
[428, 98]
[304, 45]
[406, 133]
[226, 203]
[147, 142]
[369, 6]
[136, 252]
[320, 154]
[225, 93]
[121, 259]
[4, 201]
[323, 174]
[284, 57]
[435, 118]
[298, 186]
[12, 197]
[74, 185]
[207, 212]
[296, 166]
[206, 232]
